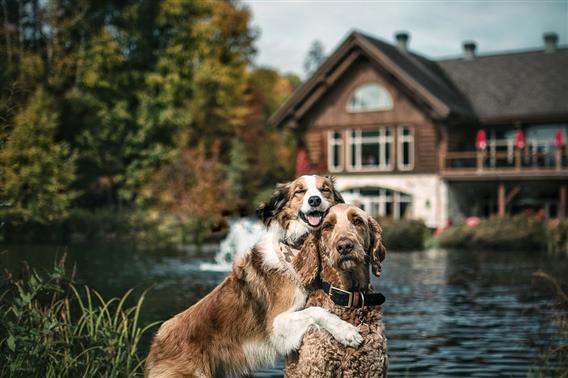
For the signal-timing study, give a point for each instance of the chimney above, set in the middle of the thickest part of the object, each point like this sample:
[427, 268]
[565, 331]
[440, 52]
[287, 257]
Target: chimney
[402, 38]
[469, 50]
[550, 42]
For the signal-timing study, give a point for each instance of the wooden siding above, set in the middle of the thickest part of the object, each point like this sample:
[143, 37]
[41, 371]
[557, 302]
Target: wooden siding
[330, 113]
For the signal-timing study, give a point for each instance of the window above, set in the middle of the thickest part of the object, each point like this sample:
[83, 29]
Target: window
[379, 202]
[369, 97]
[370, 149]
[335, 151]
[405, 148]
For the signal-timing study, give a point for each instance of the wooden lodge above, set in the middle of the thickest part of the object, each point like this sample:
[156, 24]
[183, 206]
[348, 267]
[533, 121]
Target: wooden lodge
[407, 136]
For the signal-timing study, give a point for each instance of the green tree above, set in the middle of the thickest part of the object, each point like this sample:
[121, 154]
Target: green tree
[36, 170]
[314, 58]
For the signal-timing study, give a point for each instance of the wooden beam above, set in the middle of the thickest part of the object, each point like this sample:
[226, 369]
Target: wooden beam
[512, 194]
[518, 159]
[501, 203]
[562, 202]
[480, 158]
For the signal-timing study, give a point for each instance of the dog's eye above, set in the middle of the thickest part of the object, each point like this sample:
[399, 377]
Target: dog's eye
[325, 190]
[357, 221]
[300, 191]
[327, 227]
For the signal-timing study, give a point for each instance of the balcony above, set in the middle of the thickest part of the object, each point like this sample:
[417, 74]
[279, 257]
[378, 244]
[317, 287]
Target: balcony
[539, 159]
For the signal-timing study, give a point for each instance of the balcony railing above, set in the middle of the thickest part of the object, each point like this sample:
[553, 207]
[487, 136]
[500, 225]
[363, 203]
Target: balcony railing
[503, 156]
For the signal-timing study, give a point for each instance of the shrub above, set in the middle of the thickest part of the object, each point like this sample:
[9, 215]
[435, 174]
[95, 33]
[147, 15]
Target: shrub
[403, 234]
[558, 238]
[517, 232]
[48, 329]
[455, 237]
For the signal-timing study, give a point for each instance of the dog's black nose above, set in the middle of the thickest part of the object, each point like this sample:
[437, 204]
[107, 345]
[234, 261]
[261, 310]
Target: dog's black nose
[344, 246]
[314, 201]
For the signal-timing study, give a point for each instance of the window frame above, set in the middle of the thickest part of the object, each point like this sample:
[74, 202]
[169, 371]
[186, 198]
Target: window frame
[331, 143]
[400, 139]
[349, 108]
[359, 140]
[380, 201]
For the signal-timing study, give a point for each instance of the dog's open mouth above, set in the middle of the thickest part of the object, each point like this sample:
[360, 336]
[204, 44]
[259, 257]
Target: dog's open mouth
[313, 218]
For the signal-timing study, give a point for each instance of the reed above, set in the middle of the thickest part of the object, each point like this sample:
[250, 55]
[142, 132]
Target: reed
[51, 328]
[554, 360]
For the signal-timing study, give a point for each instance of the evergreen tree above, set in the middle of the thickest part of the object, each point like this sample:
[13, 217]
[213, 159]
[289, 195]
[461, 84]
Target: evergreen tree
[36, 170]
[315, 58]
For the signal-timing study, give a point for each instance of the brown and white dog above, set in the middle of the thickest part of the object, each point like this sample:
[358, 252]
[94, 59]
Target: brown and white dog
[258, 311]
[349, 245]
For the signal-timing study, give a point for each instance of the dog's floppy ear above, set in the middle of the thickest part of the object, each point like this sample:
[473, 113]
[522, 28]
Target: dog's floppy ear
[377, 250]
[307, 262]
[337, 197]
[267, 211]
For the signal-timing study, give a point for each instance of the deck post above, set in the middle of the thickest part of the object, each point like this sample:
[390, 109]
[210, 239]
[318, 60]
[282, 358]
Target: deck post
[562, 202]
[518, 159]
[501, 200]
[558, 158]
[480, 157]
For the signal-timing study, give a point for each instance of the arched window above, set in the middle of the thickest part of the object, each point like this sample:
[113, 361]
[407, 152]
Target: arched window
[369, 97]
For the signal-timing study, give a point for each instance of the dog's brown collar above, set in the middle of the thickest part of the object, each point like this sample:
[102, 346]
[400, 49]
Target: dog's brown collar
[352, 299]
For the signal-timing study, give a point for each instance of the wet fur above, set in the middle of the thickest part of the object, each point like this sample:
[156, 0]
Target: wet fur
[319, 355]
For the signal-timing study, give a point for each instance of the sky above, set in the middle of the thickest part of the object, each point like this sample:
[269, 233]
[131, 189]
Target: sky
[437, 28]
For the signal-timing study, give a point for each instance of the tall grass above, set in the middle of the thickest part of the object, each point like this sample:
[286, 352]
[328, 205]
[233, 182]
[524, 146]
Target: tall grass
[555, 359]
[51, 328]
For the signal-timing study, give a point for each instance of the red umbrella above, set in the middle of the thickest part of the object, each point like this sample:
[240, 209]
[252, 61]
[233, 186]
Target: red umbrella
[520, 140]
[481, 140]
[558, 139]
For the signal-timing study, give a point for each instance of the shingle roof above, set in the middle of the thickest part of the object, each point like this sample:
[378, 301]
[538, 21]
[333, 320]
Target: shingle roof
[496, 86]
[428, 74]
[513, 85]
[508, 85]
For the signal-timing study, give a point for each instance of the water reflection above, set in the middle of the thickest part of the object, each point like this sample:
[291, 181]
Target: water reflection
[448, 313]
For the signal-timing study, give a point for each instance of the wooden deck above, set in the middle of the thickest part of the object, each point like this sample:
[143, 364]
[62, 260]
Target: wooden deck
[477, 166]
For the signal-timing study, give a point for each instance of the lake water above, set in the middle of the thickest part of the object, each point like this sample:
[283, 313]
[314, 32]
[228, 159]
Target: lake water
[447, 314]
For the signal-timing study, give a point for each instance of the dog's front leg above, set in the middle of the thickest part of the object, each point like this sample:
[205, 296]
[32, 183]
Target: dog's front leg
[289, 328]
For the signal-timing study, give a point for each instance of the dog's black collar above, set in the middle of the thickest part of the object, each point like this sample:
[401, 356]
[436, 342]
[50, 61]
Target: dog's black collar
[352, 299]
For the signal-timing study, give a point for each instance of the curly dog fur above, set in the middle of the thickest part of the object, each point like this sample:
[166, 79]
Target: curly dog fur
[320, 355]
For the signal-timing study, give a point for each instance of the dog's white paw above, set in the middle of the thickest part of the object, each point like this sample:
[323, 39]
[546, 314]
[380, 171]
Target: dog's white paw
[347, 334]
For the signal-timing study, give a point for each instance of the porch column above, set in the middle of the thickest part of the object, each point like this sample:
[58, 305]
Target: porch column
[501, 201]
[562, 202]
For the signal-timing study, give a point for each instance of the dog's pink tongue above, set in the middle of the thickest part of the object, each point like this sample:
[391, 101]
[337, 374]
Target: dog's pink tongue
[314, 220]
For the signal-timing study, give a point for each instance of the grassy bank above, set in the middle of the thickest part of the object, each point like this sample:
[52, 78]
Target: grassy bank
[50, 328]
[522, 233]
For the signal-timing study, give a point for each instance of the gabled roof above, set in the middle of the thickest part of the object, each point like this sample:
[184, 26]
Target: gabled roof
[515, 85]
[504, 86]
[427, 74]
[424, 79]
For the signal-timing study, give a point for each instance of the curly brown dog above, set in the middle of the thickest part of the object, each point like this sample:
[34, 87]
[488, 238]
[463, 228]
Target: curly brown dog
[349, 241]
